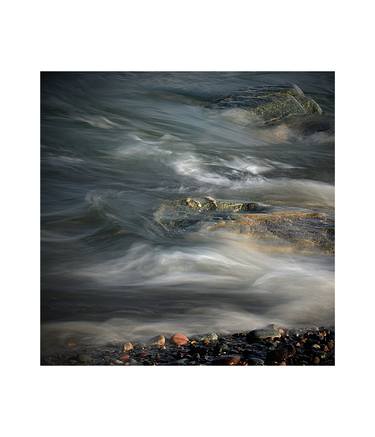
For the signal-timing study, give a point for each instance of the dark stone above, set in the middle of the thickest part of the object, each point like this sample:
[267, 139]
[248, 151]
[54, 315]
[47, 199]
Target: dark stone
[227, 361]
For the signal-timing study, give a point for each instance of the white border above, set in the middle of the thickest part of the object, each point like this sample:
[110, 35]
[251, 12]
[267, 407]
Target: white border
[195, 35]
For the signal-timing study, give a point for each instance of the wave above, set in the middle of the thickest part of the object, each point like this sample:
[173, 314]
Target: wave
[223, 283]
[97, 121]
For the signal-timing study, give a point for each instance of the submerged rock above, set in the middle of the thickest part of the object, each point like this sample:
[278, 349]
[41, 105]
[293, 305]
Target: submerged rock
[284, 229]
[270, 104]
[302, 230]
[183, 214]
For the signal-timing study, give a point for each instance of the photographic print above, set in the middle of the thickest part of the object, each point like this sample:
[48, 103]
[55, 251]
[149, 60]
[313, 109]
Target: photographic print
[187, 218]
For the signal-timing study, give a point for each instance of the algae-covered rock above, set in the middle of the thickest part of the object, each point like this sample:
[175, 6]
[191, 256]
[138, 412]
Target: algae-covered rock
[281, 230]
[306, 231]
[183, 214]
[271, 104]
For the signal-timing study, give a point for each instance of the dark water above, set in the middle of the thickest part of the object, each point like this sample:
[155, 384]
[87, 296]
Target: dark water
[115, 146]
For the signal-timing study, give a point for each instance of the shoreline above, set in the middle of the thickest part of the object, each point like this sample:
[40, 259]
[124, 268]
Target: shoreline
[269, 346]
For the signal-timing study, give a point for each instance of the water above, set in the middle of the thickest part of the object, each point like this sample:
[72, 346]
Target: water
[117, 145]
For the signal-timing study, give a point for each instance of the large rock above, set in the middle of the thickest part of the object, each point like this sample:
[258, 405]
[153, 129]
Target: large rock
[270, 104]
[284, 229]
[270, 332]
[299, 230]
[184, 214]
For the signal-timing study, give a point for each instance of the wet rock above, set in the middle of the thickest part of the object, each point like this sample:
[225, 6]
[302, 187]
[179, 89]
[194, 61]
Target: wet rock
[270, 105]
[84, 359]
[179, 339]
[210, 338]
[185, 214]
[128, 347]
[158, 341]
[282, 353]
[71, 343]
[276, 356]
[192, 203]
[211, 201]
[254, 361]
[285, 230]
[124, 358]
[233, 360]
[269, 332]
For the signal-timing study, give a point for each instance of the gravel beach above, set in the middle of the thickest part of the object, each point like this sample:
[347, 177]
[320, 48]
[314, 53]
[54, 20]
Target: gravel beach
[272, 345]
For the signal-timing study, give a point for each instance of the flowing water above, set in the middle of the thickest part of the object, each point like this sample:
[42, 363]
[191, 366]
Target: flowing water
[115, 146]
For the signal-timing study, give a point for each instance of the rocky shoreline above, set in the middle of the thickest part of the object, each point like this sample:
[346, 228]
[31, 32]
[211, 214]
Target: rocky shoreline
[271, 345]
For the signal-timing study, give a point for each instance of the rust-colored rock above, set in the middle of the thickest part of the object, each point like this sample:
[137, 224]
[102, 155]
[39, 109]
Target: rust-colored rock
[125, 358]
[179, 339]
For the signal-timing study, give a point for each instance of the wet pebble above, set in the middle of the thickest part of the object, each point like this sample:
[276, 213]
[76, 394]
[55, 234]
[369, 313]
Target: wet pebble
[128, 347]
[158, 341]
[179, 339]
[84, 359]
[210, 338]
[227, 361]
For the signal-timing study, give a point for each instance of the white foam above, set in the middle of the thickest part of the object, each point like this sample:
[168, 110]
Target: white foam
[97, 121]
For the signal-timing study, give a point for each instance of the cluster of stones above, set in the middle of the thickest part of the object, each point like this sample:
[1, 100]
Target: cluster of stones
[271, 345]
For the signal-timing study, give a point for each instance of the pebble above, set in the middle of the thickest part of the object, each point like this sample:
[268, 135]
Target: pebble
[210, 338]
[71, 343]
[254, 361]
[84, 359]
[268, 346]
[227, 361]
[158, 341]
[316, 360]
[124, 358]
[128, 347]
[277, 356]
[179, 339]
